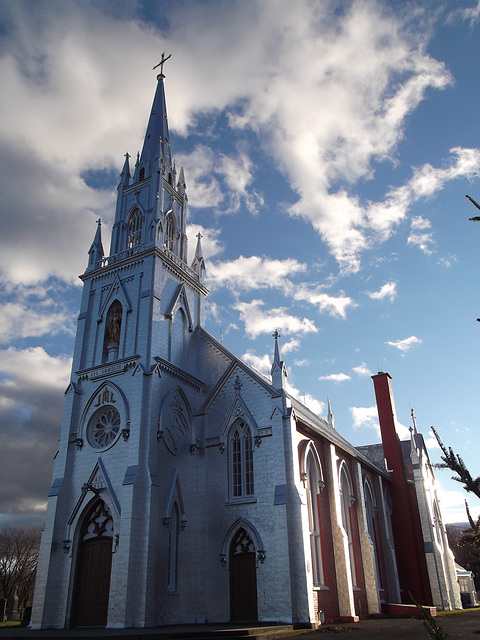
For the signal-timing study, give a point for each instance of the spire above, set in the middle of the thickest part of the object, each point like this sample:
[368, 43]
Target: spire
[279, 370]
[157, 140]
[125, 175]
[330, 416]
[181, 185]
[95, 252]
[198, 264]
[414, 421]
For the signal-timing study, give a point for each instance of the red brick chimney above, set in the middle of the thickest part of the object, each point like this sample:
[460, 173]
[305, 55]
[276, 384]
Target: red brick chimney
[406, 525]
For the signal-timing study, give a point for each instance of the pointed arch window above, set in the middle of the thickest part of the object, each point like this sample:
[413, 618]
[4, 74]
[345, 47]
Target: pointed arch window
[347, 502]
[371, 513]
[170, 231]
[241, 461]
[134, 228]
[314, 486]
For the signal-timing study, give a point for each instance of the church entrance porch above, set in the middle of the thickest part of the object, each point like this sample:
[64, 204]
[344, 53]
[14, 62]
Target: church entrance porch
[94, 563]
[243, 579]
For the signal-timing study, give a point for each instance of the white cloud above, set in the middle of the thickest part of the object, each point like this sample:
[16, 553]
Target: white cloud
[335, 306]
[254, 273]
[258, 321]
[365, 418]
[404, 345]
[470, 14]
[20, 321]
[292, 345]
[452, 504]
[203, 189]
[304, 362]
[263, 364]
[362, 370]
[423, 241]
[388, 290]
[237, 173]
[33, 369]
[307, 399]
[336, 377]
[347, 92]
[211, 244]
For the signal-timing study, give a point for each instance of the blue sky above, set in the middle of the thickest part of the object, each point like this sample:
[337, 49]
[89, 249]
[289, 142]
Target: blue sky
[328, 148]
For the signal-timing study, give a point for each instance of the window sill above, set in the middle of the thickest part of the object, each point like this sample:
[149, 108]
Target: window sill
[321, 587]
[234, 501]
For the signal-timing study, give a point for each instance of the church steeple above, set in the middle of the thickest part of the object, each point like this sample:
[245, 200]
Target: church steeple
[152, 204]
[279, 370]
[156, 146]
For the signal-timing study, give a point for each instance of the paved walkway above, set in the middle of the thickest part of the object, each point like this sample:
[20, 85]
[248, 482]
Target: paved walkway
[459, 625]
[464, 624]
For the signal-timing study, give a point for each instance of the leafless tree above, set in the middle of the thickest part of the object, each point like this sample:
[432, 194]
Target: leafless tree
[18, 562]
[454, 462]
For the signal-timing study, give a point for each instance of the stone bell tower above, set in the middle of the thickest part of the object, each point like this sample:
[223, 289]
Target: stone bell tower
[116, 505]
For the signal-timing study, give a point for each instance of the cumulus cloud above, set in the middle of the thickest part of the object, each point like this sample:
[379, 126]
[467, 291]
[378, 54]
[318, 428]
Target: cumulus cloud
[405, 345]
[336, 377]
[31, 404]
[348, 93]
[263, 364]
[254, 273]
[388, 290]
[362, 370]
[365, 417]
[419, 235]
[292, 345]
[258, 321]
[18, 320]
[333, 305]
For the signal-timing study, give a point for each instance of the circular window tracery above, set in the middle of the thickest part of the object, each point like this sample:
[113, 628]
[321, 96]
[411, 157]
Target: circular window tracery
[103, 427]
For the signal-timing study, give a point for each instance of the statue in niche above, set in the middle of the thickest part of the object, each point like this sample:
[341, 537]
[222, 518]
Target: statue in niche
[114, 323]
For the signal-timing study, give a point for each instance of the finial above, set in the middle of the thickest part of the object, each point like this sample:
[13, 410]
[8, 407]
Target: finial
[99, 222]
[199, 236]
[414, 420]
[276, 334]
[162, 62]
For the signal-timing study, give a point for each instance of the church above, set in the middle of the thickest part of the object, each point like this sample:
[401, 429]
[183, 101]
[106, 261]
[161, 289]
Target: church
[188, 487]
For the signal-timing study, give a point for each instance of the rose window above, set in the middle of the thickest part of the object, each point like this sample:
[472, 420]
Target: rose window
[103, 427]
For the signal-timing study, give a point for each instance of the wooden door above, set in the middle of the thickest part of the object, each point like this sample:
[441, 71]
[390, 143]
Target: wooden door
[243, 579]
[94, 564]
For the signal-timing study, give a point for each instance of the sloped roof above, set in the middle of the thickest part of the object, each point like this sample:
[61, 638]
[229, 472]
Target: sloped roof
[302, 413]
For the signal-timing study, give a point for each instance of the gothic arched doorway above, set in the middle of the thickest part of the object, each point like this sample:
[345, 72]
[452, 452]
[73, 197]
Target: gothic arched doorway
[94, 564]
[243, 578]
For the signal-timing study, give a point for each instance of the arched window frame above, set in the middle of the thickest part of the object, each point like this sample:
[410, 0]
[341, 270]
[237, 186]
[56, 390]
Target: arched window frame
[241, 472]
[314, 486]
[371, 511]
[170, 231]
[112, 331]
[134, 228]
[347, 502]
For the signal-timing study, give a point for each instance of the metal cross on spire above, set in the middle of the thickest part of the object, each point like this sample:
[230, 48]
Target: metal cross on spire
[162, 62]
